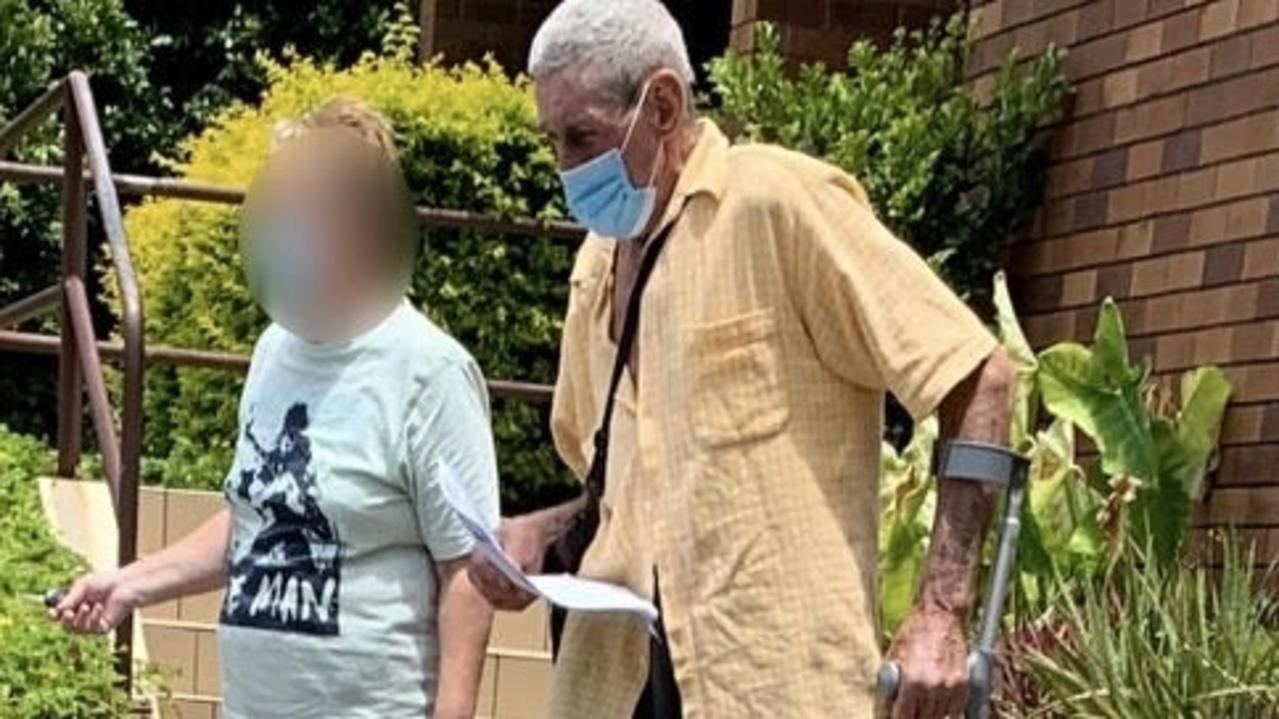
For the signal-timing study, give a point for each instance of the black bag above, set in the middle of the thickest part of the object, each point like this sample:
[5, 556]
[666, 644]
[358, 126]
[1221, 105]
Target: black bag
[566, 553]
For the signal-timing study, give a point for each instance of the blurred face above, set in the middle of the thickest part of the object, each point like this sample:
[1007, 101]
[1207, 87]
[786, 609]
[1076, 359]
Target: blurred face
[328, 236]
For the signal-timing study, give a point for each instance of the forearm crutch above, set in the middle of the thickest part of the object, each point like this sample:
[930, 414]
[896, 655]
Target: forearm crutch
[979, 462]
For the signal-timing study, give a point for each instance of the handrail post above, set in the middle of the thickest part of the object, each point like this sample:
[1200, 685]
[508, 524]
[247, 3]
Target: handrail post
[74, 260]
[80, 103]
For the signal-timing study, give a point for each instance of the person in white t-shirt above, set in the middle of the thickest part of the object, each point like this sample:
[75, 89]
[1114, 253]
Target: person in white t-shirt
[345, 571]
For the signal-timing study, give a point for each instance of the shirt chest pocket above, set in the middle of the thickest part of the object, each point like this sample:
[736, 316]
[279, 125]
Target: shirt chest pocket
[735, 384]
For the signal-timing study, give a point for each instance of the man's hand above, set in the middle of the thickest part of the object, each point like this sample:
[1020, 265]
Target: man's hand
[525, 540]
[931, 651]
[97, 602]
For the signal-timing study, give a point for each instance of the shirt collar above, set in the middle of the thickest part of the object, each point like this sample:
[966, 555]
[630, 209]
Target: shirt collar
[704, 170]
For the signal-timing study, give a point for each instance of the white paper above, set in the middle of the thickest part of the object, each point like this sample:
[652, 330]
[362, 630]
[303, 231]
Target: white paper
[562, 590]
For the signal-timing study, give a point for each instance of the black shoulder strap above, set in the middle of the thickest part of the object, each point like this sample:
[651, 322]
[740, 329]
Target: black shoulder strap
[630, 327]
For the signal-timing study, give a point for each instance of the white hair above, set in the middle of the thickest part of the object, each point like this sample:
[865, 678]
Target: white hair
[618, 43]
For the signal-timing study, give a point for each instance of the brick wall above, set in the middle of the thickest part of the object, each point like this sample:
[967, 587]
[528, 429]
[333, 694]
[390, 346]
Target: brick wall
[812, 30]
[467, 29]
[1163, 192]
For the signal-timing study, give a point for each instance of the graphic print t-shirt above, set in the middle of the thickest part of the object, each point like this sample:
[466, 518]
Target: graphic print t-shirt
[337, 519]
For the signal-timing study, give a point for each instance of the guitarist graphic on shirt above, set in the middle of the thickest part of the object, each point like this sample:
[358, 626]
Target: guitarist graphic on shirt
[287, 577]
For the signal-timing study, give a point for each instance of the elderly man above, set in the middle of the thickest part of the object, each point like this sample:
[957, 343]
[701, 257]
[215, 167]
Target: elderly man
[742, 465]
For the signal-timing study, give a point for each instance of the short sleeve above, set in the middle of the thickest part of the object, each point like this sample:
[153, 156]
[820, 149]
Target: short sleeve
[449, 423]
[575, 406]
[878, 315]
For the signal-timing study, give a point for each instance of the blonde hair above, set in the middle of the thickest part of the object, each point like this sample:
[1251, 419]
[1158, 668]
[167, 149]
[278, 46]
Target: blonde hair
[341, 113]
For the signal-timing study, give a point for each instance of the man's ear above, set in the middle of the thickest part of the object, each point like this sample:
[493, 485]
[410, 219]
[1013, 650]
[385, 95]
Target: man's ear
[669, 100]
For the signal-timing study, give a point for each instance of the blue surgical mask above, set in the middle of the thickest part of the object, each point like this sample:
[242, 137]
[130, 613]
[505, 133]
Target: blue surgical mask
[601, 195]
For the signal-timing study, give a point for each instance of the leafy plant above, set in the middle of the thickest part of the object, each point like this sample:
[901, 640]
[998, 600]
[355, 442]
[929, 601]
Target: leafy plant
[1154, 454]
[40, 41]
[907, 503]
[207, 53]
[468, 140]
[1162, 639]
[947, 170]
[45, 673]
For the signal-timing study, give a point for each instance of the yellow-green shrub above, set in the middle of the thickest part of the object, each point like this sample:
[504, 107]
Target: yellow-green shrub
[468, 140]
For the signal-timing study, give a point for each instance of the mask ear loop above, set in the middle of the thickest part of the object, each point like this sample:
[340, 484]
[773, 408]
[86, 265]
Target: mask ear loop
[639, 105]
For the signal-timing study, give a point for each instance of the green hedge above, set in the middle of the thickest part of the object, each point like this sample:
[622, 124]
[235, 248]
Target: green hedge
[45, 673]
[40, 41]
[952, 171]
[469, 141]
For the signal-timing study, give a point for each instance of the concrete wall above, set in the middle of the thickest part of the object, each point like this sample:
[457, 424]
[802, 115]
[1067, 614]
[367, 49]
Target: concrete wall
[1163, 192]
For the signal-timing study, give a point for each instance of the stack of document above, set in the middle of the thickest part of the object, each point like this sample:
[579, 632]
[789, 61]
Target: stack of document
[563, 590]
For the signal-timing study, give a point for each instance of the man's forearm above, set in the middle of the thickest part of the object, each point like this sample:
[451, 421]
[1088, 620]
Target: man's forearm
[196, 563]
[558, 519]
[977, 410]
[464, 623]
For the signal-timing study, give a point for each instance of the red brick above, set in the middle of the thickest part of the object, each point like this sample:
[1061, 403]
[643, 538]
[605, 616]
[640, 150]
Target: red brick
[1069, 178]
[1212, 346]
[1175, 351]
[1090, 210]
[808, 13]
[1101, 55]
[1219, 18]
[1242, 425]
[1196, 188]
[1237, 178]
[1245, 135]
[1191, 67]
[1265, 47]
[1223, 264]
[1261, 384]
[1261, 259]
[1181, 151]
[1171, 232]
[1246, 219]
[1157, 117]
[1110, 168]
[1268, 299]
[1115, 281]
[1079, 288]
[1130, 11]
[1270, 421]
[1095, 18]
[1181, 30]
[1231, 55]
[1145, 41]
[1119, 88]
[1256, 12]
[1251, 342]
[1134, 240]
[1145, 159]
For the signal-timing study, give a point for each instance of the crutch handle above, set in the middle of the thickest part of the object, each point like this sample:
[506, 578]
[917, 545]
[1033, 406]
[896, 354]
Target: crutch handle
[889, 680]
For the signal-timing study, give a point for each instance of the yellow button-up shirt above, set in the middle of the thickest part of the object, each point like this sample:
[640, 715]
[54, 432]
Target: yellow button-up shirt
[744, 463]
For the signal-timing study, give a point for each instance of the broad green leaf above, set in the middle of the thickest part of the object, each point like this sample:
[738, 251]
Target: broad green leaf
[1110, 346]
[1205, 392]
[1112, 413]
[907, 507]
[1026, 402]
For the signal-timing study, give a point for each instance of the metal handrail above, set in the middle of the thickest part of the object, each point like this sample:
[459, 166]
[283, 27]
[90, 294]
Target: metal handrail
[43, 344]
[145, 185]
[80, 365]
[79, 351]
